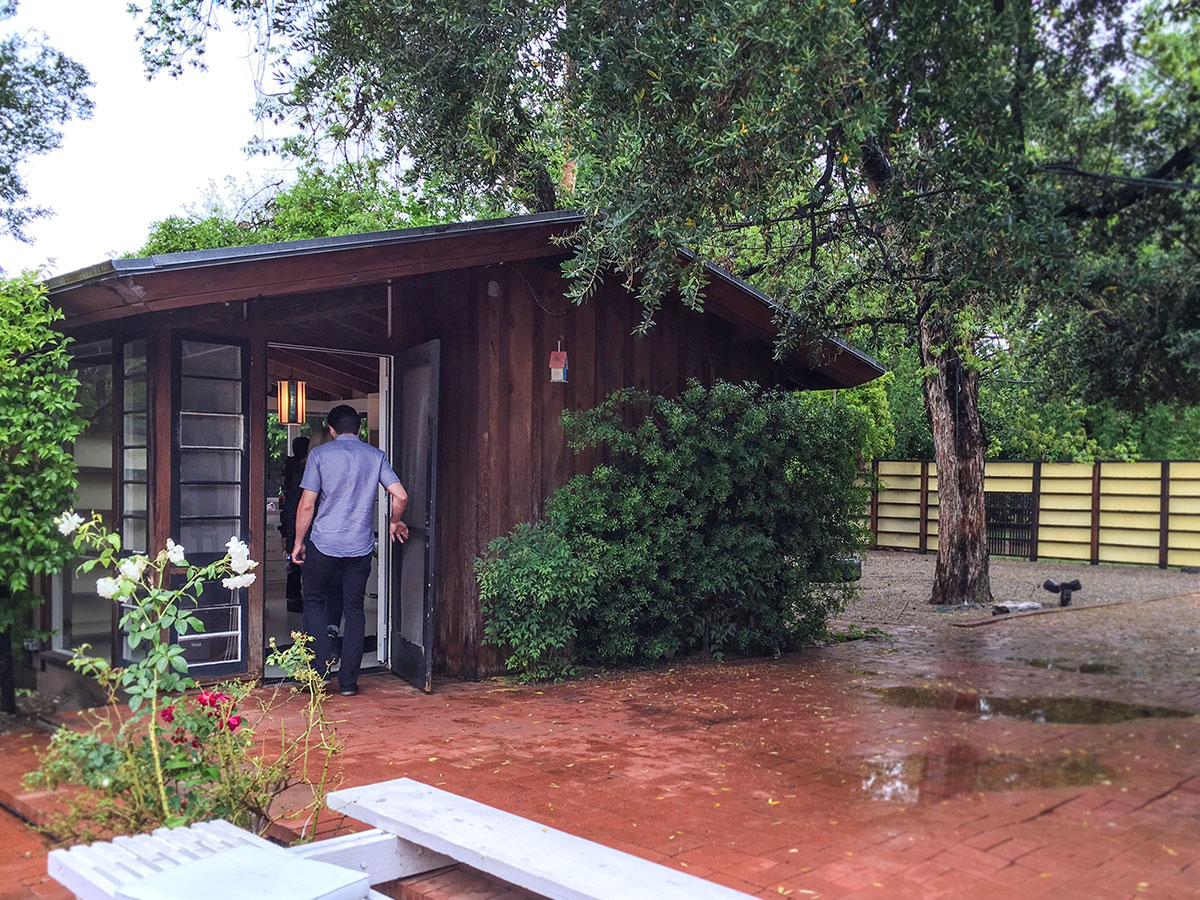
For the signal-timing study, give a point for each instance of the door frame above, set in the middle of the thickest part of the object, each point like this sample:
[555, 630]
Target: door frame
[386, 572]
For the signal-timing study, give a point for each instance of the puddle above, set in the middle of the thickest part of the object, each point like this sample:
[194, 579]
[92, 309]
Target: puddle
[1064, 665]
[1056, 710]
[964, 769]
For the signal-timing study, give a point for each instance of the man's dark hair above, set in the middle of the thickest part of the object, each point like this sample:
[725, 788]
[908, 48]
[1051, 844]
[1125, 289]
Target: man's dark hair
[344, 419]
[299, 446]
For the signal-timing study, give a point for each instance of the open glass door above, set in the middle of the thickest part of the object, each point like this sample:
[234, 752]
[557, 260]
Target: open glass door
[415, 394]
[211, 392]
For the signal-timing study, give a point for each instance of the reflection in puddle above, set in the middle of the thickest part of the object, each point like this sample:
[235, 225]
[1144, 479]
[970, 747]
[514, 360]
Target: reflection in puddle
[1065, 665]
[1058, 710]
[962, 769]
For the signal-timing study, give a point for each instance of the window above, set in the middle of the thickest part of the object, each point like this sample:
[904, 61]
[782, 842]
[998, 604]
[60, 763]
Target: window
[210, 502]
[80, 615]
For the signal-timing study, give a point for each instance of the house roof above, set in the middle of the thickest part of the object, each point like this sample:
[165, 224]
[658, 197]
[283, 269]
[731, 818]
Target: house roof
[120, 288]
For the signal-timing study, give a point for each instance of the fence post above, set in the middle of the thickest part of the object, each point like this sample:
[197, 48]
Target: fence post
[1164, 514]
[875, 502]
[924, 514]
[1037, 510]
[1095, 514]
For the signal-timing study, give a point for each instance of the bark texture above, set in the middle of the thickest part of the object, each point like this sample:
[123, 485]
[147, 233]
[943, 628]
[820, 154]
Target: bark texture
[952, 403]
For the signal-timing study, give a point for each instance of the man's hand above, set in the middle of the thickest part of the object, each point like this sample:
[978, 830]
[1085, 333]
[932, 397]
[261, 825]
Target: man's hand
[298, 553]
[398, 531]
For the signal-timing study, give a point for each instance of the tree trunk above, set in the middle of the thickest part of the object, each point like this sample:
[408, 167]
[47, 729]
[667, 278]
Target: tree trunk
[952, 403]
[8, 675]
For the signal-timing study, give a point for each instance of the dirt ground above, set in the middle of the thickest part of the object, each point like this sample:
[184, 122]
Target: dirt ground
[895, 587]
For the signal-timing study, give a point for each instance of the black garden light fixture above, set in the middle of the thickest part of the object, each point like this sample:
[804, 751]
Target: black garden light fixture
[1063, 590]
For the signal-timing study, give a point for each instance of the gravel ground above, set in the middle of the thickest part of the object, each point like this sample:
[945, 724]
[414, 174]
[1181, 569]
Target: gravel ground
[895, 587]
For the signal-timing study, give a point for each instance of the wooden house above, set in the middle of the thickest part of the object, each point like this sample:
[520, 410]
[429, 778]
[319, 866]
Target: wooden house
[441, 336]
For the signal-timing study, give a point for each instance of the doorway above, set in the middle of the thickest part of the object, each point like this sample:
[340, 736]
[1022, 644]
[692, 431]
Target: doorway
[332, 378]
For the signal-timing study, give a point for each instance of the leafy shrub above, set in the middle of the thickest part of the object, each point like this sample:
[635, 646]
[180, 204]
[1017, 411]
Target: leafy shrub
[711, 527]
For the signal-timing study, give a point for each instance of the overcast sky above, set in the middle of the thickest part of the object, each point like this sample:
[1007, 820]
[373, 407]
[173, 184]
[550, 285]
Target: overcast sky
[150, 148]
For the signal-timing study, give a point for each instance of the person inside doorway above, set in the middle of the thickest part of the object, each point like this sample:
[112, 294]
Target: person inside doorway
[338, 499]
[293, 471]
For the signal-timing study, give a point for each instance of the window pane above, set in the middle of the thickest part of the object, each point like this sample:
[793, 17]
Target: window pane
[95, 395]
[210, 500]
[133, 498]
[88, 619]
[217, 619]
[210, 431]
[133, 534]
[202, 650]
[208, 536]
[208, 395]
[135, 395]
[135, 358]
[210, 465]
[135, 429]
[94, 493]
[135, 465]
[222, 360]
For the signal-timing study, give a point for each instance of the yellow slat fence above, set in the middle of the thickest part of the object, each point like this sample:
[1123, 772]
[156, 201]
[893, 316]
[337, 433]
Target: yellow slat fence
[1146, 513]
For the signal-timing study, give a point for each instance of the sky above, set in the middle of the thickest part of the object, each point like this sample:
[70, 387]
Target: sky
[150, 149]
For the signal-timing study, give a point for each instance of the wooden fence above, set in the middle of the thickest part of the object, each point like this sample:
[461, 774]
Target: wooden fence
[1105, 512]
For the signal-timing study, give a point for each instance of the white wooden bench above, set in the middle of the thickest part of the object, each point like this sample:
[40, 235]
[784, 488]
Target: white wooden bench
[419, 829]
[541, 859]
[219, 860]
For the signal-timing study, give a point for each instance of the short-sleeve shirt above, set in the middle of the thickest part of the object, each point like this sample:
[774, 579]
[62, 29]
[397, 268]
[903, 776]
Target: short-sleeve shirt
[344, 474]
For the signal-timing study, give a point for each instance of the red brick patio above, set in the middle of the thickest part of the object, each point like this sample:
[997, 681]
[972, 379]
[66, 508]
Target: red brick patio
[794, 777]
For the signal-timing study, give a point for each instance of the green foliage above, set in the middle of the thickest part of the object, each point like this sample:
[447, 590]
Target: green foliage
[39, 89]
[711, 528]
[961, 170]
[37, 427]
[350, 198]
[173, 759]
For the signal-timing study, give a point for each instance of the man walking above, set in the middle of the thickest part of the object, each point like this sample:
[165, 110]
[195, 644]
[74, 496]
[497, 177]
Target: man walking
[343, 474]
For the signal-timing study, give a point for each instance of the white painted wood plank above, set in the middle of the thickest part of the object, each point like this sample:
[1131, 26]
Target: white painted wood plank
[115, 869]
[183, 842]
[542, 859]
[234, 835]
[381, 855]
[75, 874]
[250, 873]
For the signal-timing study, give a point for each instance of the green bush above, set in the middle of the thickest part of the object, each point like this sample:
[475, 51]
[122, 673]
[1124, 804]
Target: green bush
[710, 528]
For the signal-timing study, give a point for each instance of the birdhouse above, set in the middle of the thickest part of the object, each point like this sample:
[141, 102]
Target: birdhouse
[558, 366]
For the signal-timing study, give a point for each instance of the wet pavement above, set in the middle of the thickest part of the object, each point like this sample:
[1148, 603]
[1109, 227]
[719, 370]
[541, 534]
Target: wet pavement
[950, 762]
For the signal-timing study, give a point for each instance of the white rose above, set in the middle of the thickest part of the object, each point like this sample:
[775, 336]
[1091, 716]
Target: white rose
[234, 582]
[107, 587]
[242, 564]
[132, 568]
[175, 553]
[68, 522]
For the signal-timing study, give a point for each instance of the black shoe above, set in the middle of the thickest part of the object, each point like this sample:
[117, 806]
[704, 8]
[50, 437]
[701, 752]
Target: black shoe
[348, 692]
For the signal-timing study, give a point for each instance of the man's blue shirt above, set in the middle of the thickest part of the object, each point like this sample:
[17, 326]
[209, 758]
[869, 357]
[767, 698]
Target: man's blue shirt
[344, 474]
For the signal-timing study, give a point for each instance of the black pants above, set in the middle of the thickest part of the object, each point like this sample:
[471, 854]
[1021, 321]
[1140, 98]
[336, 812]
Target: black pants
[328, 581]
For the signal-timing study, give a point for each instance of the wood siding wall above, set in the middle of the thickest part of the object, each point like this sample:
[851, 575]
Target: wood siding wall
[502, 449]
[1108, 512]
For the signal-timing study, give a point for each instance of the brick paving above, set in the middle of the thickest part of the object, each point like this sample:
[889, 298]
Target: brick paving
[798, 777]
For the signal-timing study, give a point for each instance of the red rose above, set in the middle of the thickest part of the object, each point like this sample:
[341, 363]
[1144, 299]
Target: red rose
[207, 698]
[234, 722]
[167, 714]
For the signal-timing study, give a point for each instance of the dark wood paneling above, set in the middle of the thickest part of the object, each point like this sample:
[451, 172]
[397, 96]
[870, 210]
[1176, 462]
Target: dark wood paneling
[158, 439]
[258, 512]
[520, 456]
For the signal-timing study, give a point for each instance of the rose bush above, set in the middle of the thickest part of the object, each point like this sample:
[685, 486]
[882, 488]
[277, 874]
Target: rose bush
[158, 755]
